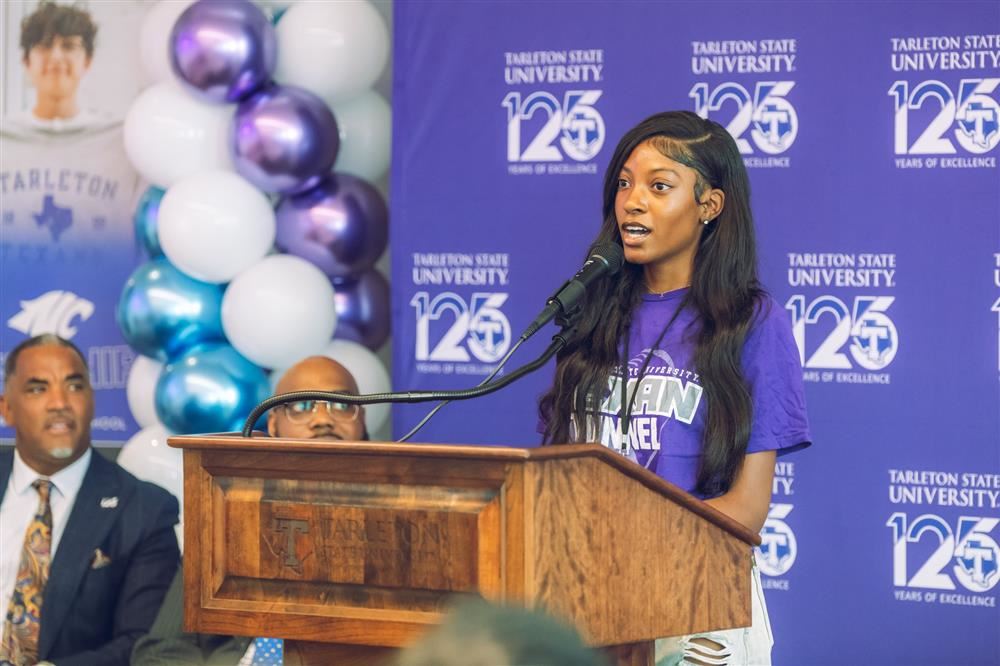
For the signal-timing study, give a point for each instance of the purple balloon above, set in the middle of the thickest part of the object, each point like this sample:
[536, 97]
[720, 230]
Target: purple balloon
[363, 310]
[223, 50]
[341, 226]
[285, 139]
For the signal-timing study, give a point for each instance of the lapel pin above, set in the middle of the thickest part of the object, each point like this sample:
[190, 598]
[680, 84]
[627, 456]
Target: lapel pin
[109, 502]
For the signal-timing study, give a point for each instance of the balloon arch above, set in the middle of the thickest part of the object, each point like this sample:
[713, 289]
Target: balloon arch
[259, 138]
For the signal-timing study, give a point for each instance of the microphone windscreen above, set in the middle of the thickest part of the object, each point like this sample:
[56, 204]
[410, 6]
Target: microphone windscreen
[613, 254]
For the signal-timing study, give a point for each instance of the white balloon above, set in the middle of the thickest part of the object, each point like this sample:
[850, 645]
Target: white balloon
[215, 225]
[334, 49]
[170, 135]
[140, 389]
[365, 124]
[370, 375]
[154, 38]
[147, 457]
[279, 311]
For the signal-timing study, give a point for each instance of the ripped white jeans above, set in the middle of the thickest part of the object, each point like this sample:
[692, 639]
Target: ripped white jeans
[748, 646]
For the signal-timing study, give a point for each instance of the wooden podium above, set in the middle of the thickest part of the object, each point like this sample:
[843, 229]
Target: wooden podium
[350, 550]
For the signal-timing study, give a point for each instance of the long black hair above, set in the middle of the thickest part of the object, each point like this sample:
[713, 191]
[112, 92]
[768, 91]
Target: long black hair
[725, 293]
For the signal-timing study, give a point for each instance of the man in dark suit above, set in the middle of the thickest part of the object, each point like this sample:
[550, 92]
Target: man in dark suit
[167, 643]
[88, 549]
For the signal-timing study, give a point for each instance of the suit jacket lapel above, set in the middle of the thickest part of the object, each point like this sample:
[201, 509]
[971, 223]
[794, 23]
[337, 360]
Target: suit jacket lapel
[86, 528]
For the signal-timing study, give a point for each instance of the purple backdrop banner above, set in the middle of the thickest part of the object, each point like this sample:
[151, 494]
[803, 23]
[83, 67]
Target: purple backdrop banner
[870, 131]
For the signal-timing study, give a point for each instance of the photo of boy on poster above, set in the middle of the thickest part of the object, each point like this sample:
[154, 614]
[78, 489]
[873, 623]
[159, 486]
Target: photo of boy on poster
[67, 189]
[57, 50]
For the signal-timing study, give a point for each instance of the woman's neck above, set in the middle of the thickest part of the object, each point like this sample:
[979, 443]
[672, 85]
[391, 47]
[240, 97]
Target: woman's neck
[660, 280]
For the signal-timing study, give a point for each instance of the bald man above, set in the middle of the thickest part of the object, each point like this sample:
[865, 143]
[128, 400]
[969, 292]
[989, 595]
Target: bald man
[167, 644]
[314, 419]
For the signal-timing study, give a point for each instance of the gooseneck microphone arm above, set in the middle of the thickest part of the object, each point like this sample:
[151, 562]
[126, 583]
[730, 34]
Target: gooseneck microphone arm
[558, 342]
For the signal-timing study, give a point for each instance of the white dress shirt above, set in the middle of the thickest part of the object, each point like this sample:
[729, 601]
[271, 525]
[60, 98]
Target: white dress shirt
[18, 508]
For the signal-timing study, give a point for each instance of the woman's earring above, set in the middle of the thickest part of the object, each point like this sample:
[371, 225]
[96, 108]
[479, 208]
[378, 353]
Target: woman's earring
[705, 222]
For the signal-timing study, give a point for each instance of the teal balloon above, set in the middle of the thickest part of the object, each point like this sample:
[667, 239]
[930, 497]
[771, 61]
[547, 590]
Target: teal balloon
[146, 214]
[211, 388]
[162, 312]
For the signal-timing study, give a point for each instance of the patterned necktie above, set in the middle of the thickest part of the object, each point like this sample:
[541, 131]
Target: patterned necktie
[264, 652]
[19, 646]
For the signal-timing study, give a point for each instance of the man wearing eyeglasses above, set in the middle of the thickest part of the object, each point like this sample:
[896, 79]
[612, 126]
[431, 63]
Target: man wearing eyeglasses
[313, 419]
[167, 644]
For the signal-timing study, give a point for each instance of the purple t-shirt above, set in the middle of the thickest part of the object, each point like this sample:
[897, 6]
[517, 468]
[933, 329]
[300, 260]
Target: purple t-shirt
[668, 414]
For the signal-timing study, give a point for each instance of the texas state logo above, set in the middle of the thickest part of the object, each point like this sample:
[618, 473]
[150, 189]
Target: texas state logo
[945, 101]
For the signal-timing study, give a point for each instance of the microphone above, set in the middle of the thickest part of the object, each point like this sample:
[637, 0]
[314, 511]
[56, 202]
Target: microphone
[606, 259]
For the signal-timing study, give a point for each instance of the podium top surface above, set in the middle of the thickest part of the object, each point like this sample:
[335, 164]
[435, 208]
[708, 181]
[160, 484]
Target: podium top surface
[264, 444]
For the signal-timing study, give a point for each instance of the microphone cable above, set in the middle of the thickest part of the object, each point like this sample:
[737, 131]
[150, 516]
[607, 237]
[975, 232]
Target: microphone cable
[437, 407]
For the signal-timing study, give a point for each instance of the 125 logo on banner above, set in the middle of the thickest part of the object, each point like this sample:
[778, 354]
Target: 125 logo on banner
[872, 335]
[972, 552]
[575, 122]
[975, 110]
[479, 326]
[768, 114]
[778, 547]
